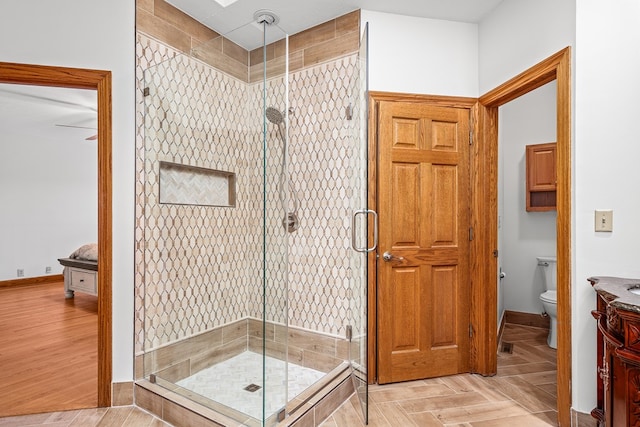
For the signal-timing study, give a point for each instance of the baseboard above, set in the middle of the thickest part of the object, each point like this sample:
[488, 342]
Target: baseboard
[41, 280]
[580, 419]
[122, 394]
[526, 319]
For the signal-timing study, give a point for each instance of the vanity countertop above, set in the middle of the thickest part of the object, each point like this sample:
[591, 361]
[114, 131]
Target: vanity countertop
[622, 292]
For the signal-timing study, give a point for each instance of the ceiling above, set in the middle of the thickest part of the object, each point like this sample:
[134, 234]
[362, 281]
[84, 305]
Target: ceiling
[54, 112]
[29, 108]
[236, 20]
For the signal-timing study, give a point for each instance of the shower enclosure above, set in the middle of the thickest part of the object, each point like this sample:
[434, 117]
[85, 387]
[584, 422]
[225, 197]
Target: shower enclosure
[255, 225]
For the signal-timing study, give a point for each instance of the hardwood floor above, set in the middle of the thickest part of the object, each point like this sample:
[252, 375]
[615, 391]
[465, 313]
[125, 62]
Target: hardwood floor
[523, 393]
[48, 350]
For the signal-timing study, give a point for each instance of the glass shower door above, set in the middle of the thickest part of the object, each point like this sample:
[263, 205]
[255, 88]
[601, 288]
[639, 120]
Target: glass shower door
[363, 220]
[215, 248]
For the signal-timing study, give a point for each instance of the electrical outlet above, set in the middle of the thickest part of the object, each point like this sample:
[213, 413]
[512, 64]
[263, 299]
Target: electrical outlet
[604, 220]
[20, 272]
[47, 270]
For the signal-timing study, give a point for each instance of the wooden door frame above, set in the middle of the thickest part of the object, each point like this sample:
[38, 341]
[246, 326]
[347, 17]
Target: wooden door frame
[484, 215]
[556, 68]
[40, 75]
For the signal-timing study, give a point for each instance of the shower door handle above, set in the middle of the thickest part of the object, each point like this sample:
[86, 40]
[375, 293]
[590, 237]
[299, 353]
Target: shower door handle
[354, 236]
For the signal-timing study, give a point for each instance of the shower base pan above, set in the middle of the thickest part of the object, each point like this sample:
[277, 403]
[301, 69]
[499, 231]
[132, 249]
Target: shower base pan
[197, 400]
[237, 383]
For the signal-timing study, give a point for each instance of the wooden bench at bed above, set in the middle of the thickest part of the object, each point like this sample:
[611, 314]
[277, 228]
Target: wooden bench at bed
[79, 275]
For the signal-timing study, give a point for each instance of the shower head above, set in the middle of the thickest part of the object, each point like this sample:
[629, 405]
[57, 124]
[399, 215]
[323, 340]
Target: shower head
[274, 115]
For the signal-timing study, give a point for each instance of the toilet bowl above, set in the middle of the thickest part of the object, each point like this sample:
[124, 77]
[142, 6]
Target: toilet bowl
[549, 297]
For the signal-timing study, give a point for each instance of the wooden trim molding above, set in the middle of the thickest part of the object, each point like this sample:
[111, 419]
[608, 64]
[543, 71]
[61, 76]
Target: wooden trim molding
[484, 221]
[445, 101]
[372, 278]
[40, 280]
[557, 67]
[100, 81]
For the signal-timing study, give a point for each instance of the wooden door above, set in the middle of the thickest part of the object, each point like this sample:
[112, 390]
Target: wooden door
[423, 206]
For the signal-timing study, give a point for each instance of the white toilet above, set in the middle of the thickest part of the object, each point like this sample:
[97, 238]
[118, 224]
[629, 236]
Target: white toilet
[549, 298]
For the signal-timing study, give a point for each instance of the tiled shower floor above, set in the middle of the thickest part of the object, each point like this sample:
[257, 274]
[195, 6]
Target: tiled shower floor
[225, 383]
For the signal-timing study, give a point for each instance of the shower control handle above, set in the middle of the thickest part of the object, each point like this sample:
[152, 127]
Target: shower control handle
[388, 257]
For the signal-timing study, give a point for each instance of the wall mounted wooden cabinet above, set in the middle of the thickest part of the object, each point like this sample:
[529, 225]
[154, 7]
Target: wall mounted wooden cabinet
[541, 177]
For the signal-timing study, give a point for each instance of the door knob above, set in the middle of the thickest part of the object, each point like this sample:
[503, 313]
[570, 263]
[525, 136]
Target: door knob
[388, 256]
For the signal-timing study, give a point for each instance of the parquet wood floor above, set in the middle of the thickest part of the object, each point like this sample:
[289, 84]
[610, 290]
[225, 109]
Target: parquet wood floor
[523, 393]
[48, 350]
[122, 416]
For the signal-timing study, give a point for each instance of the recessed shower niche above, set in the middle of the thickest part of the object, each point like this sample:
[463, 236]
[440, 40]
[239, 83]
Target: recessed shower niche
[191, 185]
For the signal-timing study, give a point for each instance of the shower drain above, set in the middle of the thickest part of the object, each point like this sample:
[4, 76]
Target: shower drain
[252, 387]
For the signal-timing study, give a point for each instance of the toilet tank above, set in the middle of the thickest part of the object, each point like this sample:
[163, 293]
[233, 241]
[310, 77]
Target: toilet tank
[548, 265]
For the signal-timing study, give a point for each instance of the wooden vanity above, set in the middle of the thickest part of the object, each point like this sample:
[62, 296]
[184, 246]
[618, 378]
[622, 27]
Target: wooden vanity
[618, 380]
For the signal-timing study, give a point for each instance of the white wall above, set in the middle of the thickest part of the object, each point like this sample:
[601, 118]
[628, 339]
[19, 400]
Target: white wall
[48, 182]
[606, 154]
[419, 55]
[521, 33]
[606, 63]
[515, 36]
[530, 119]
[98, 35]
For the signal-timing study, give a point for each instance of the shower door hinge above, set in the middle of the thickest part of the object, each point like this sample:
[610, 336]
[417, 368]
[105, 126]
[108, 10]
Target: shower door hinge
[349, 112]
[470, 330]
[145, 91]
[349, 332]
[470, 234]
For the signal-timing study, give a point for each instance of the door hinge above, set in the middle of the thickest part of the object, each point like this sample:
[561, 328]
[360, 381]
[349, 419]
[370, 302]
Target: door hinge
[349, 332]
[470, 233]
[470, 330]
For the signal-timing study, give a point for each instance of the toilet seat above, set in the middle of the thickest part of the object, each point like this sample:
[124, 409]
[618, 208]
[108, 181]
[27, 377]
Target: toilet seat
[550, 297]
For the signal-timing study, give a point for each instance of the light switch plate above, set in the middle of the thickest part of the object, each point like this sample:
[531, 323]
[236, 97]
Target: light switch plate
[604, 220]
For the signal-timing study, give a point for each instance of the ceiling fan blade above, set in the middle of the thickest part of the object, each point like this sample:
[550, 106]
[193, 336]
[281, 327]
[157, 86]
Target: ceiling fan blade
[91, 138]
[78, 127]
[25, 94]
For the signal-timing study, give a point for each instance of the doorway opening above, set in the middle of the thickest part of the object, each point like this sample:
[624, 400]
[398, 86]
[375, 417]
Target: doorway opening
[555, 68]
[100, 81]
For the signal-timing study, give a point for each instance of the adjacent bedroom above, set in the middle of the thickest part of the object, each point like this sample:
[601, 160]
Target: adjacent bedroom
[48, 249]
